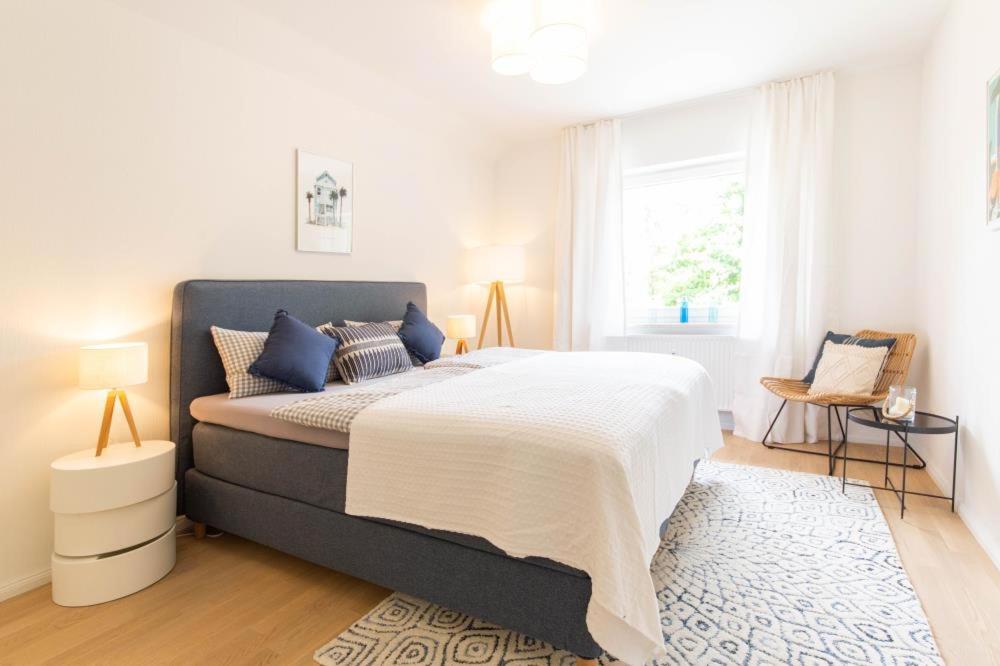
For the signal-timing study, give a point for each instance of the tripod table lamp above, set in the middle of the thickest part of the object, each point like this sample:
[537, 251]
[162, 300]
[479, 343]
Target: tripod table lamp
[495, 265]
[112, 367]
[460, 328]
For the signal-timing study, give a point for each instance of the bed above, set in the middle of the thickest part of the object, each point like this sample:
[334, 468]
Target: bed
[286, 489]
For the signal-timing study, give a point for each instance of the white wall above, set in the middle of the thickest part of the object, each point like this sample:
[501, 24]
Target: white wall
[958, 261]
[875, 172]
[687, 131]
[526, 182]
[145, 143]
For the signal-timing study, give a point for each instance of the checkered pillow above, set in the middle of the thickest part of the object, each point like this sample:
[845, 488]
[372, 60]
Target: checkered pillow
[238, 350]
[369, 351]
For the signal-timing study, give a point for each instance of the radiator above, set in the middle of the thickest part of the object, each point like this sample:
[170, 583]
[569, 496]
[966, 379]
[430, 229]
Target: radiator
[714, 352]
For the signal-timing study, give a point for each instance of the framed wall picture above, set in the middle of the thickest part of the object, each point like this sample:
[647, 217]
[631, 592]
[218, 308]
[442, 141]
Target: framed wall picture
[993, 152]
[324, 204]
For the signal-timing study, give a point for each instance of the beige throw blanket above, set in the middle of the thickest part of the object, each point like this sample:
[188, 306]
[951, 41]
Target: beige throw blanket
[574, 457]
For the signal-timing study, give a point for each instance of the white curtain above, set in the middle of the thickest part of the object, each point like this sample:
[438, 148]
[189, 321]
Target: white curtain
[589, 270]
[783, 297]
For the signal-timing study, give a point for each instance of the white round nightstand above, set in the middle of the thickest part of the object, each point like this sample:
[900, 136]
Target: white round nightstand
[114, 521]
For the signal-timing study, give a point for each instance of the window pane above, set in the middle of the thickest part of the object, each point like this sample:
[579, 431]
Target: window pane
[682, 246]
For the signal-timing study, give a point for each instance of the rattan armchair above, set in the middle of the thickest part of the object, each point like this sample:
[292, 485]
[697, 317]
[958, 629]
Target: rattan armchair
[897, 366]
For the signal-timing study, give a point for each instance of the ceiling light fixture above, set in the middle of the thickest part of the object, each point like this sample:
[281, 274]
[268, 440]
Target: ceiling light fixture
[511, 27]
[544, 38]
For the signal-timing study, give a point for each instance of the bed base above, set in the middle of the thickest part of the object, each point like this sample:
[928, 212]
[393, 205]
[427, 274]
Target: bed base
[530, 598]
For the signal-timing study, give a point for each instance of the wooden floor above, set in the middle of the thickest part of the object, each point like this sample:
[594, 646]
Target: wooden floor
[229, 601]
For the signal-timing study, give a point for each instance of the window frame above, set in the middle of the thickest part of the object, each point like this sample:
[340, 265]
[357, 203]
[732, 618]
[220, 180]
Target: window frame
[675, 172]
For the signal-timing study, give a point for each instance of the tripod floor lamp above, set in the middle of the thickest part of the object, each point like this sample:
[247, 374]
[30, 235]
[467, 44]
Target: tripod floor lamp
[496, 265]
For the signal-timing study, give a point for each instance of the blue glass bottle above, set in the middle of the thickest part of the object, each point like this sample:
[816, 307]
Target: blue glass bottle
[685, 314]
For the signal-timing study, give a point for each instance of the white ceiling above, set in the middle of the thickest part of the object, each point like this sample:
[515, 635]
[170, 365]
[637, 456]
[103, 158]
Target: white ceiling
[644, 53]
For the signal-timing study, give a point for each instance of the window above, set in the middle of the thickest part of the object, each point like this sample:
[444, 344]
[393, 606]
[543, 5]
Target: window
[683, 231]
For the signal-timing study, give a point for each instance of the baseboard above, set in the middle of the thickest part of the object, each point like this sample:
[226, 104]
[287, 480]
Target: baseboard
[981, 532]
[978, 527]
[26, 584]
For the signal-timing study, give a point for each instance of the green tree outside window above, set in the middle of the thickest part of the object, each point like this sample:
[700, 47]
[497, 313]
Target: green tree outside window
[704, 265]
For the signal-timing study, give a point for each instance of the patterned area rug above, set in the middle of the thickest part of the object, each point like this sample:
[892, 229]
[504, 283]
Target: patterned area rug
[759, 566]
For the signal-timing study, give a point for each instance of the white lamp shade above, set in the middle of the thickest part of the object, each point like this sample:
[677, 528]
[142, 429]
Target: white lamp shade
[511, 23]
[510, 53]
[490, 263]
[114, 365]
[558, 53]
[461, 326]
[550, 12]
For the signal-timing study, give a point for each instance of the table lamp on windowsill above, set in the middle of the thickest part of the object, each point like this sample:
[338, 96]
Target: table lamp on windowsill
[111, 367]
[461, 327]
[494, 265]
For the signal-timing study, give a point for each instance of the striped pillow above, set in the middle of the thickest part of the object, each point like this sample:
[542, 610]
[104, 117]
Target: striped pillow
[395, 323]
[238, 350]
[369, 351]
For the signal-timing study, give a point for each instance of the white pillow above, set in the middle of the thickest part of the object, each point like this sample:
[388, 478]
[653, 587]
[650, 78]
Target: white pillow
[238, 350]
[848, 369]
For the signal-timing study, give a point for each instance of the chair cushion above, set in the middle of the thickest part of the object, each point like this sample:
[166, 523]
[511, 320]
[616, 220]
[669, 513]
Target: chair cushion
[848, 369]
[845, 339]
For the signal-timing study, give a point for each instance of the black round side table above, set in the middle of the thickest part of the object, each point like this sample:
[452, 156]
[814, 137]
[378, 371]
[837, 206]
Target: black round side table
[924, 423]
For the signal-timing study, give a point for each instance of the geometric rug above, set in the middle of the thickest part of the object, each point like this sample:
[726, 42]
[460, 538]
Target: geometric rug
[758, 566]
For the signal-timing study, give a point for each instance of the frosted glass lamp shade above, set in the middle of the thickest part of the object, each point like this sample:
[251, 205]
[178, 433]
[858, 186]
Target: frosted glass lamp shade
[558, 53]
[510, 53]
[511, 23]
[490, 263]
[114, 365]
[559, 38]
[461, 326]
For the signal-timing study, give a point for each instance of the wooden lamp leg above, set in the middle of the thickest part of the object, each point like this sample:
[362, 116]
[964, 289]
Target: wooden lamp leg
[109, 410]
[499, 314]
[128, 417]
[497, 300]
[486, 315]
[506, 315]
[461, 347]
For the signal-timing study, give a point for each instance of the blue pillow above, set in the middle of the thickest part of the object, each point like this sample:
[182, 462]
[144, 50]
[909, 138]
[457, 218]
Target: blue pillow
[845, 339]
[295, 353]
[420, 336]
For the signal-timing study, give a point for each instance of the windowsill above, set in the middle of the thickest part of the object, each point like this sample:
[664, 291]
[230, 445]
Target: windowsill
[697, 328]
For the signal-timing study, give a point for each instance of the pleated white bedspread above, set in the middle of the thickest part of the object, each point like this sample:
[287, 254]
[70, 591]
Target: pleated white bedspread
[575, 457]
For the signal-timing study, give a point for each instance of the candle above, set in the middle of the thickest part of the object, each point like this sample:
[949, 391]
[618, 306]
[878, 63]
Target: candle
[900, 407]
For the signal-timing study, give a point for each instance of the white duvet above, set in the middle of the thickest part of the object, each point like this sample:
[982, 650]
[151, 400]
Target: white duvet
[574, 457]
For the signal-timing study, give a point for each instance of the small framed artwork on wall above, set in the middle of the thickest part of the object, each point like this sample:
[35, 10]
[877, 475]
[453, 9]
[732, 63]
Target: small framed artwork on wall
[993, 152]
[324, 204]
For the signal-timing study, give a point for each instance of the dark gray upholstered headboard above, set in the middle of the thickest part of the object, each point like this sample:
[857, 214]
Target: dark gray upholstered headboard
[249, 305]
